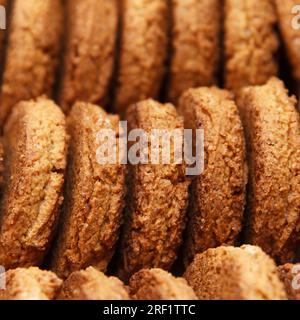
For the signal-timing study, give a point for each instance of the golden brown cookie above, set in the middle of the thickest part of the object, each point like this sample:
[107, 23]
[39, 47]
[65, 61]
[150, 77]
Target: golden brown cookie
[90, 51]
[251, 42]
[94, 196]
[32, 53]
[290, 34]
[272, 130]
[29, 284]
[35, 159]
[91, 284]
[157, 284]
[289, 274]
[228, 273]
[158, 194]
[218, 194]
[143, 51]
[196, 33]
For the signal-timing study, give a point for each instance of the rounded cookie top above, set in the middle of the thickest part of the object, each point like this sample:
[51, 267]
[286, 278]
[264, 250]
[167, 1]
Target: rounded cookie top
[90, 51]
[251, 43]
[94, 194]
[158, 194]
[229, 273]
[91, 284]
[29, 284]
[196, 33]
[218, 194]
[32, 51]
[143, 51]
[157, 284]
[272, 132]
[35, 159]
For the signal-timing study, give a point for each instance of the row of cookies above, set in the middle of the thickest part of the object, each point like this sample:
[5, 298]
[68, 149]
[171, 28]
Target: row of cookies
[224, 273]
[38, 143]
[122, 52]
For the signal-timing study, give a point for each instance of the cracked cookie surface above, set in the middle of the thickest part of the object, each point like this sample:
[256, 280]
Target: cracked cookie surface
[94, 195]
[158, 194]
[35, 160]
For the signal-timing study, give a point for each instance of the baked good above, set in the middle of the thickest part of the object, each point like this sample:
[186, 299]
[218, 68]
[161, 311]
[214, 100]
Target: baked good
[251, 42]
[34, 44]
[196, 33]
[157, 196]
[91, 284]
[272, 132]
[157, 284]
[218, 194]
[229, 273]
[94, 196]
[90, 51]
[35, 159]
[143, 51]
[29, 284]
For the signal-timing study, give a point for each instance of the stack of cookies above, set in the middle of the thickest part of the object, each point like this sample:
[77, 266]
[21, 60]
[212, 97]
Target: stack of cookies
[73, 226]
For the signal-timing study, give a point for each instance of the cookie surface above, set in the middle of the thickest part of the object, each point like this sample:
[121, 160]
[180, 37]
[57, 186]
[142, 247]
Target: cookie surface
[94, 196]
[290, 35]
[228, 273]
[90, 51]
[272, 131]
[91, 284]
[32, 53]
[196, 49]
[157, 284]
[35, 159]
[251, 43]
[218, 194]
[143, 51]
[158, 194]
[29, 284]
[289, 274]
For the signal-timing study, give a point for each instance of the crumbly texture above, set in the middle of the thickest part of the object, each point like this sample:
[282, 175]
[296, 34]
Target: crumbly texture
[29, 284]
[35, 159]
[143, 51]
[218, 194]
[94, 196]
[251, 42]
[90, 51]
[291, 36]
[32, 56]
[91, 284]
[157, 284]
[289, 274]
[158, 194]
[228, 273]
[272, 132]
[196, 34]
